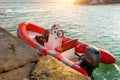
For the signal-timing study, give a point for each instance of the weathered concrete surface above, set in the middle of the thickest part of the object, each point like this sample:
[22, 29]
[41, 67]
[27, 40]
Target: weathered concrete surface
[16, 58]
[18, 62]
[48, 68]
[21, 73]
[13, 52]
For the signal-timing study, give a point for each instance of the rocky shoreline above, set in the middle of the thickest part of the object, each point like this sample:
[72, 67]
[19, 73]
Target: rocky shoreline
[18, 61]
[97, 2]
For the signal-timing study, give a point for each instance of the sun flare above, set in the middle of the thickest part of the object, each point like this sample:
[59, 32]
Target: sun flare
[66, 1]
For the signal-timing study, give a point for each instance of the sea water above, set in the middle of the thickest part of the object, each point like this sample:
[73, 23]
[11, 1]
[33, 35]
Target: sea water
[98, 25]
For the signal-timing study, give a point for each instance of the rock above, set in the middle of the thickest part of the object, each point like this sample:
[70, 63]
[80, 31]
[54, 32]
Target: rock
[48, 68]
[14, 53]
[95, 2]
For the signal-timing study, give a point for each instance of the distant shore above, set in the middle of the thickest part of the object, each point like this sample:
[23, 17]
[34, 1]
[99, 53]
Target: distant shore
[74, 3]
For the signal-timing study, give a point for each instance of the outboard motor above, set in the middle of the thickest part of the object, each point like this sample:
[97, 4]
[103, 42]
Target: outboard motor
[90, 60]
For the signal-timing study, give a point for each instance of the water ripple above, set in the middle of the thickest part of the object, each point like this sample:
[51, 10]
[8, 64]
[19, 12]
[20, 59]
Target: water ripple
[96, 25]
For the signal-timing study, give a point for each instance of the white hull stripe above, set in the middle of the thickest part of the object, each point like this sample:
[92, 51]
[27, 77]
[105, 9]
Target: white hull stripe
[49, 52]
[67, 62]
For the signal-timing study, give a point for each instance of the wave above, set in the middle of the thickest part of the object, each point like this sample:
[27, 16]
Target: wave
[21, 11]
[3, 11]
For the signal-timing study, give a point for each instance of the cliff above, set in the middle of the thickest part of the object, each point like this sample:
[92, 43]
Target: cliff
[19, 61]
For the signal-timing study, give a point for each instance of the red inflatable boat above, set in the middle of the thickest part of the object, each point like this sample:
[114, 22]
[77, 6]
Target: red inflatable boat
[58, 45]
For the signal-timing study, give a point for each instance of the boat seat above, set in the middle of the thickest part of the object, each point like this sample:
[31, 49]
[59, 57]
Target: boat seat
[67, 45]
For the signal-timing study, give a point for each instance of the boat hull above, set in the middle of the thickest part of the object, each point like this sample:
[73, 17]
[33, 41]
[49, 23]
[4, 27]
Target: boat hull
[105, 56]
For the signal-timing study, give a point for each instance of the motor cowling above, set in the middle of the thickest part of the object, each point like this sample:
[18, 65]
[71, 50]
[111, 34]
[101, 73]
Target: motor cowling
[90, 59]
[92, 56]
